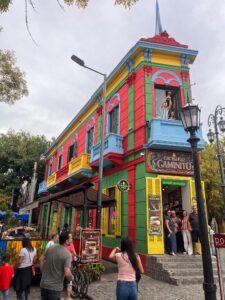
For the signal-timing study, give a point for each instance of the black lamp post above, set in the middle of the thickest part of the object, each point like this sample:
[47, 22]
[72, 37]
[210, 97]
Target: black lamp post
[100, 170]
[213, 119]
[190, 116]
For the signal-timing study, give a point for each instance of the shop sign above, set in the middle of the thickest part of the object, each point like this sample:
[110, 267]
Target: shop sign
[90, 250]
[123, 185]
[154, 215]
[169, 162]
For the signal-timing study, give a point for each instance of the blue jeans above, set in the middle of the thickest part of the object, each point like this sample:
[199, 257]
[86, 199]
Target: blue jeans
[126, 290]
[173, 243]
[5, 294]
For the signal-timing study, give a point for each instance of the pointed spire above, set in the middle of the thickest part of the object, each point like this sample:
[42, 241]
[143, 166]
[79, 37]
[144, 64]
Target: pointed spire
[158, 25]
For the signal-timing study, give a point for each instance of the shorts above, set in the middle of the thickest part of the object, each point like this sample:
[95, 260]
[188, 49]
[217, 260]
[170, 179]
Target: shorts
[195, 235]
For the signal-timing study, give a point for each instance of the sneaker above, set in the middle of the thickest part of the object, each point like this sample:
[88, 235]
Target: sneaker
[184, 252]
[173, 254]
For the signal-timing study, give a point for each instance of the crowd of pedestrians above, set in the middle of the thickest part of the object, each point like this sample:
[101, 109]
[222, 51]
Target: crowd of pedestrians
[182, 234]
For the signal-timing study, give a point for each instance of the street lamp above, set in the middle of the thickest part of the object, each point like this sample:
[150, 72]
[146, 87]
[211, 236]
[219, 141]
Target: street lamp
[190, 117]
[100, 171]
[213, 119]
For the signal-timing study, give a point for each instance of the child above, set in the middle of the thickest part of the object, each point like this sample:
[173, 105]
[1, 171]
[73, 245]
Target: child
[6, 274]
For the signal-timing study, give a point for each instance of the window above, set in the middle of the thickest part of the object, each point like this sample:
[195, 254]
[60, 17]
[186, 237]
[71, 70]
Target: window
[171, 98]
[111, 213]
[60, 161]
[72, 151]
[111, 217]
[50, 170]
[114, 120]
[90, 139]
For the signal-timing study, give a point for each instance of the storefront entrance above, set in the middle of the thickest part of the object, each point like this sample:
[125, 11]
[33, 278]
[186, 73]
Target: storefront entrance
[163, 192]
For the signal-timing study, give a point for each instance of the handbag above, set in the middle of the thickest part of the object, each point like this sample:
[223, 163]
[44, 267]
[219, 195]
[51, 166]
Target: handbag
[137, 274]
[32, 266]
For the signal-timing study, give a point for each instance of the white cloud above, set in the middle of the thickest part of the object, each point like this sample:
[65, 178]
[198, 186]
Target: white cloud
[102, 34]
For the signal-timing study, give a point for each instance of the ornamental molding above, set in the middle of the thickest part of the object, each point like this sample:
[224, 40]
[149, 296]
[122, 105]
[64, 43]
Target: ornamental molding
[131, 79]
[163, 38]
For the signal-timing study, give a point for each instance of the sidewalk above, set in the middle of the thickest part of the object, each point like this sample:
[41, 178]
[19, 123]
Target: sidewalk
[149, 289]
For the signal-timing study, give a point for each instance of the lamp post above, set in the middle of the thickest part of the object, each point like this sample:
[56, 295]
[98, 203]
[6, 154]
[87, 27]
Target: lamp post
[190, 116]
[100, 170]
[213, 119]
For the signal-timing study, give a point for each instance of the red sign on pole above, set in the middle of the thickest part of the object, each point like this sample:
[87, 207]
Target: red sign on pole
[219, 240]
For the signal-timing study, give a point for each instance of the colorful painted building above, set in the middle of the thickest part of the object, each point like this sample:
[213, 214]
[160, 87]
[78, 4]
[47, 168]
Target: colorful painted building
[144, 144]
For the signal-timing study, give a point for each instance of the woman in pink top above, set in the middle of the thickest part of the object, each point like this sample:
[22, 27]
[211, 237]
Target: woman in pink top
[72, 251]
[128, 262]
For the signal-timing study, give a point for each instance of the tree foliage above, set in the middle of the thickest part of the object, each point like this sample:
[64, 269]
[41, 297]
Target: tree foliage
[211, 175]
[12, 83]
[18, 152]
[5, 4]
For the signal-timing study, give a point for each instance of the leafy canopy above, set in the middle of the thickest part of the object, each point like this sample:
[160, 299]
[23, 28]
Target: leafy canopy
[12, 83]
[5, 4]
[18, 152]
[211, 175]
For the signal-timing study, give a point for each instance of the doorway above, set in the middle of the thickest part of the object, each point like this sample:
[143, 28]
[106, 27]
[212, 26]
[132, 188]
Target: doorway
[176, 198]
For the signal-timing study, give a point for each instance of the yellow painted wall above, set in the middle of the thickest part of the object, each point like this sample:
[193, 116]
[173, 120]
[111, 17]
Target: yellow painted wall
[163, 57]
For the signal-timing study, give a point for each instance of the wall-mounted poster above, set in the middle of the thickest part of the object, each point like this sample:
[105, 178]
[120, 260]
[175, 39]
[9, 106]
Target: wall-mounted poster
[154, 215]
[90, 250]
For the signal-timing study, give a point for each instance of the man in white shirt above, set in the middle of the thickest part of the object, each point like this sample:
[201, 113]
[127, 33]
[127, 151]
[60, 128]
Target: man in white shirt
[53, 241]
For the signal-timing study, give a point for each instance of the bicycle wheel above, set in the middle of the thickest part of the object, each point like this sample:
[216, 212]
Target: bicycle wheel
[85, 284]
[77, 284]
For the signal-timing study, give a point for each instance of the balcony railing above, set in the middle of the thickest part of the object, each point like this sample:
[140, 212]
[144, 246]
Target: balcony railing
[113, 143]
[51, 180]
[42, 188]
[80, 167]
[170, 135]
[62, 174]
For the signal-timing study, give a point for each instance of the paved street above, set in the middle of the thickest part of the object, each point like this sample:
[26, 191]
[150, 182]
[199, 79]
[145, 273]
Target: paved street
[149, 289]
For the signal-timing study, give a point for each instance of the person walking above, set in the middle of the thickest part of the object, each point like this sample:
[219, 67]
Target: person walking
[55, 264]
[170, 233]
[23, 274]
[128, 264]
[194, 226]
[73, 253]
[6, 275]
[53, 241]
[186, 233]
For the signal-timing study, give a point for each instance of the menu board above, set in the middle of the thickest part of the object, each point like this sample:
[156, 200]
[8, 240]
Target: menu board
[90, 250]
[154, 215]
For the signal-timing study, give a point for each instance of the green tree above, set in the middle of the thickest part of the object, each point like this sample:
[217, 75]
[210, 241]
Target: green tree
[18, 152]
[12, 83]
[5, 4]
[211, 175]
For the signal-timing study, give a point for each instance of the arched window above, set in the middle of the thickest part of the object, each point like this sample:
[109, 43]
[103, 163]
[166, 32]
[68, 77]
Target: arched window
[72, 150]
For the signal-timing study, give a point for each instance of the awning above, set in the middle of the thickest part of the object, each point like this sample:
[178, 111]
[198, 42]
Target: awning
[75, 197]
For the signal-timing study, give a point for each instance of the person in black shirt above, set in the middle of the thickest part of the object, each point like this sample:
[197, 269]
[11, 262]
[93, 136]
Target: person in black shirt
[195, 235]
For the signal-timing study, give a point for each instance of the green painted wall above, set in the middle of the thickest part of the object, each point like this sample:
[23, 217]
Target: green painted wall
[109, 181]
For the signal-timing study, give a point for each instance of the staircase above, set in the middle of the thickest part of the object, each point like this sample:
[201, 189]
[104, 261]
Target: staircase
[179, 270]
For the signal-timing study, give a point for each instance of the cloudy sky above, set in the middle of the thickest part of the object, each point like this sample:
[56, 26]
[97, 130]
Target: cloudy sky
[101, 35]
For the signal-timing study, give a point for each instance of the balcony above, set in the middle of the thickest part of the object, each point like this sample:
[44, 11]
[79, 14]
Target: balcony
[113, 150]
[42, 188]
[51, 180]
[80, 168]
[170, 135]
[62, 174]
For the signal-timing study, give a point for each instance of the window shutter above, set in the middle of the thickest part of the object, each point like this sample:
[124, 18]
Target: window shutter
[118, 212]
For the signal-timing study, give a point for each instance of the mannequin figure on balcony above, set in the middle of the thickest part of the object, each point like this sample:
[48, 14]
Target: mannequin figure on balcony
[166, 106]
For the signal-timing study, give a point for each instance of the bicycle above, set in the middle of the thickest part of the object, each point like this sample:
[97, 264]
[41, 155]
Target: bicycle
[80, 283]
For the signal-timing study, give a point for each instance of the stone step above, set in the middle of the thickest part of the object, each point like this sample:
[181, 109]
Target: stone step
[180, 258]
[188, 272]
[188, 279]
[187, 265]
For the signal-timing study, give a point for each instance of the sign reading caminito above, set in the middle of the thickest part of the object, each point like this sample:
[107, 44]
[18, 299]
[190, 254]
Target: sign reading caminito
[169, 162]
